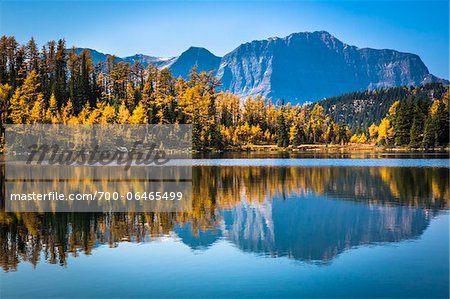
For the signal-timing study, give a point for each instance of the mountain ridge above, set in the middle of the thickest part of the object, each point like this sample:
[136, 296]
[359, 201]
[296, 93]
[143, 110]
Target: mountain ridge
[301, 67]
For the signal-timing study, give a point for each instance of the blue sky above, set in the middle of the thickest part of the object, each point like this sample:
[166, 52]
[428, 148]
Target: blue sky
[169, 28]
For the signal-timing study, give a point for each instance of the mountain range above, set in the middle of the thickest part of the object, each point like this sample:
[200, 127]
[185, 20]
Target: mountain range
[302, 67]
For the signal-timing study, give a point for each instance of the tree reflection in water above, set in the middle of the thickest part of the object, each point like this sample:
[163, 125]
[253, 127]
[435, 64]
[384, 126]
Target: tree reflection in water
[309, 214]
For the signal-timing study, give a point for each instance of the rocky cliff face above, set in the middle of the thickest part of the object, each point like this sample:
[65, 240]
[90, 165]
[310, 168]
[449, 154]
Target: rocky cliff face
[301, 67]
[310, 66]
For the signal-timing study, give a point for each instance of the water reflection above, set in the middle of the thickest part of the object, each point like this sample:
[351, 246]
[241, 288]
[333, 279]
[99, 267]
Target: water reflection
[313, 229]
[308, 214]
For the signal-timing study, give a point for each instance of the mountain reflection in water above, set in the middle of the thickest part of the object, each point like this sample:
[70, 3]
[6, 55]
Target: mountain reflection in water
[305, 213]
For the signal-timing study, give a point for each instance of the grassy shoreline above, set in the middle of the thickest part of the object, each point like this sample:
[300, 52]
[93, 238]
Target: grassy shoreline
[330, 148]
[319, 148]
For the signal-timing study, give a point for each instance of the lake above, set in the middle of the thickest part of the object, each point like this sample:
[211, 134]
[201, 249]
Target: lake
[260, 226]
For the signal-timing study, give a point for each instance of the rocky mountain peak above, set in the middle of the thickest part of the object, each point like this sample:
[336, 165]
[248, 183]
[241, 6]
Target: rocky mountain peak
[301, 67]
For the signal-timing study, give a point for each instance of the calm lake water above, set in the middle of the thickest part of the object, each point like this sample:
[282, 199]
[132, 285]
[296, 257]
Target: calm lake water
[266, 227]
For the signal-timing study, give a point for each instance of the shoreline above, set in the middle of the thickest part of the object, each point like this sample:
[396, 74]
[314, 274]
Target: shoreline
[316, 148]
[327, 148]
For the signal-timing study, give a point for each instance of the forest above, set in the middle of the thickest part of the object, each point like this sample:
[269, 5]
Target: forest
[55, 85]
[360, 109]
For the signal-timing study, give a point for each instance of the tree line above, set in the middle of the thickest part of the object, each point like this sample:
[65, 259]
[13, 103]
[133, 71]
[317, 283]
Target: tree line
[415, 122]
[56, 85]
[362, 108]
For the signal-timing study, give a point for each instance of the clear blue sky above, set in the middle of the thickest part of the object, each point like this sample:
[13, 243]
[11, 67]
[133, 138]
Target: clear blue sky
[168, 28]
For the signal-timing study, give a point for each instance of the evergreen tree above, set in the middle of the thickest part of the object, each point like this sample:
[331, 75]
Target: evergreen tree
[430, 132]
[4, 60]
[74, 81]
[282, 132]
[436, 131]
[86, 72]
[60, 87]
[33, 56]
[5, 90]
[418, 123]
[402, 123]
[442, 124]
